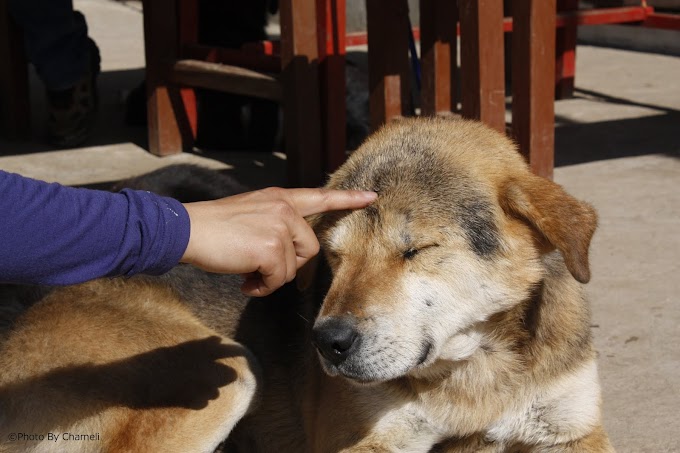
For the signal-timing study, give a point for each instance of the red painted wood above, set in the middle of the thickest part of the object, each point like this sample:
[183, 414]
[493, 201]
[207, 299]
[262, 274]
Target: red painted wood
[565, 64]
[439, 56]
[482, 61]
[168, 133]
[331, 37]
[188, 22]
[388, 64]
[664, 21]
[187, 35]
[301, 103]
[533, 82]
[600, 16]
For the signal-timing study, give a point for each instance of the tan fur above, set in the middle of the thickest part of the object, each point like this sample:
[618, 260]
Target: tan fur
[462, 281]
[123, 360]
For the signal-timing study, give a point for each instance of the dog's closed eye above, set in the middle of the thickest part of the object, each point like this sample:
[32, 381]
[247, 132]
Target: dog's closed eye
[410, 253]
[413, 251]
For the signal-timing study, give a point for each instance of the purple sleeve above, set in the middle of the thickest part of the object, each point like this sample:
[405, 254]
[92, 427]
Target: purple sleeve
[53, 234]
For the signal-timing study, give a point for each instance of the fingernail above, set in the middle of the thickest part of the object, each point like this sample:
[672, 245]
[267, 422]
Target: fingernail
[369, 195]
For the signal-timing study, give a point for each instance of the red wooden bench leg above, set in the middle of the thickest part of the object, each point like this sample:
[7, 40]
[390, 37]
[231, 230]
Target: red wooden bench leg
[331, 36]
[388, 65]
[565, 64]
[15, 110]
[533, 82]
[169, 128]
[439, 50]
[188, 35]
[301, 104]
[482, 65]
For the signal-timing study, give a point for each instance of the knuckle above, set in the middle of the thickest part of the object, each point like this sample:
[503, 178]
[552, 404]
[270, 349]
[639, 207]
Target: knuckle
[274, 247]
[274, 192]
[279, 280]
[283, 208]
[324, 196]
[280, 230]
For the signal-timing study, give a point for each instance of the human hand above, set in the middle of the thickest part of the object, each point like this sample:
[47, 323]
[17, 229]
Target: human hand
[262, 235]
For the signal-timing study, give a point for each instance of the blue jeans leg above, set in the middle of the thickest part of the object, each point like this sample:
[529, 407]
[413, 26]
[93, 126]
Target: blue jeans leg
[56, 40]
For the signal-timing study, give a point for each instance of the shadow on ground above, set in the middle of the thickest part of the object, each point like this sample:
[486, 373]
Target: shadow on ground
[577, 143]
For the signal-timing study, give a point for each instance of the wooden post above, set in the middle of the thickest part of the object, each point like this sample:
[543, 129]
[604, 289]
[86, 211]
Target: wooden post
[169, 129]
[188, 35]
[388, 65]
[331, 35]
[301, 103]
[482, 66]
[15, 101]
[533, 82]
[439, 51]
[565, 49]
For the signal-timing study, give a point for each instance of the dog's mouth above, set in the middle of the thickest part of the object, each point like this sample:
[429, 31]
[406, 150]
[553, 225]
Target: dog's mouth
[369, 372]
[425, 354]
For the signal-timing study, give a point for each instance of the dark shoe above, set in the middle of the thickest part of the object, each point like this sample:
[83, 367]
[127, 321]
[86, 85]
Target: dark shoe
[72, 112]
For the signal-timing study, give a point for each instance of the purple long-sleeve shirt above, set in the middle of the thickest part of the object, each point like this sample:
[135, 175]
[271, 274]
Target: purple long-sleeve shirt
[58, 235]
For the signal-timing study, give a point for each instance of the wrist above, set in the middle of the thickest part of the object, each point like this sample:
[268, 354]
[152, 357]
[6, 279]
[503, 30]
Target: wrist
[189, 252]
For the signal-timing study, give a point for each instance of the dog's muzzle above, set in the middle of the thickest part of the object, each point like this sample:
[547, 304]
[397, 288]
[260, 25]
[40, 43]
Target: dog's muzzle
[336, 338]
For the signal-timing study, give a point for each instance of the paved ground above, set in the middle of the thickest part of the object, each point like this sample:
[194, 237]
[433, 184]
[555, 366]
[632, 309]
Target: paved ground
[618, 146]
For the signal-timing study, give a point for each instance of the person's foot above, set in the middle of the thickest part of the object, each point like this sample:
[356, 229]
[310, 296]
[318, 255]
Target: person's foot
[72, 112]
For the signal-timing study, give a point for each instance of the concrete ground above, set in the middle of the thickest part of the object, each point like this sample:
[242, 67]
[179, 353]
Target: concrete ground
[617, 146]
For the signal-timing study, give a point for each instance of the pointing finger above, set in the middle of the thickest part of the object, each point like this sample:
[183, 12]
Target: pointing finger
[316, 201]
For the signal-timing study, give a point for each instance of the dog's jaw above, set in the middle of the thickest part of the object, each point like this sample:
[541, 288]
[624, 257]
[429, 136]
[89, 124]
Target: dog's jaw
[367, 367]
[461, 345]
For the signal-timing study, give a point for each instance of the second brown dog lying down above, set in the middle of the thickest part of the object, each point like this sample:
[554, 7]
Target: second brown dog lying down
[448, 316]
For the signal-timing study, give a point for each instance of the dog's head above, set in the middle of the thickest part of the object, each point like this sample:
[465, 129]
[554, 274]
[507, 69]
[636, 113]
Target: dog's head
[455, 236]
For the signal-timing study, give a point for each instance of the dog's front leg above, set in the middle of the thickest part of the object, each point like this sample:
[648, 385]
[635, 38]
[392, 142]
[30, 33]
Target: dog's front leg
[398, 433]
[594, 442]
[470, 444]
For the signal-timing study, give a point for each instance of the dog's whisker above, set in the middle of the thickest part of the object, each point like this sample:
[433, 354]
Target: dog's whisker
[303, 318]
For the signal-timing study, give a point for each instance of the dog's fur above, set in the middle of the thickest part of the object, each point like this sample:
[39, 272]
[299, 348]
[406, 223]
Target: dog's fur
[461, 286]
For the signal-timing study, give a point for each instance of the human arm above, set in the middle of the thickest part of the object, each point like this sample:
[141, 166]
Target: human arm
[58, 235]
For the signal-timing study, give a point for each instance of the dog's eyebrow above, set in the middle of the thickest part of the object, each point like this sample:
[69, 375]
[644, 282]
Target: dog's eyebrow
[406, 237]
[372, 213]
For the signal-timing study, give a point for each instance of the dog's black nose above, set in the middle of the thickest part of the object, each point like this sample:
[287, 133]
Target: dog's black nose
[335, 338]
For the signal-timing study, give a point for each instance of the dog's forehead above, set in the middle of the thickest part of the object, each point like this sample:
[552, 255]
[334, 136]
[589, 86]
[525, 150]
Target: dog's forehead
[393, 166]
[418, 186]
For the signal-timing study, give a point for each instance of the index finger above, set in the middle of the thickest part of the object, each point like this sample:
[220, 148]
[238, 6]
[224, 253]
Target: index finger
[316, 201]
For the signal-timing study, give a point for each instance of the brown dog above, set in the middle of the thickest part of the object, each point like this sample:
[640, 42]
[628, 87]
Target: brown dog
[448, 316]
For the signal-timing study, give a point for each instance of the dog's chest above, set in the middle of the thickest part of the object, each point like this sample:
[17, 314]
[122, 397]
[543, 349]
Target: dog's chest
[453, 416]
[561, 412]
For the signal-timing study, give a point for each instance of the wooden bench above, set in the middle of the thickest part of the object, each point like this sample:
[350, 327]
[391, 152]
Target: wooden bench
[542, 63]
[306, 75]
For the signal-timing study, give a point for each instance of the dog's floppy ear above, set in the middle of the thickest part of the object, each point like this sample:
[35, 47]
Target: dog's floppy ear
[565, 222]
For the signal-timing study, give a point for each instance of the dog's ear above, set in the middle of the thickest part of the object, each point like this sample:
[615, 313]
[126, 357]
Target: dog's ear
[563, 221]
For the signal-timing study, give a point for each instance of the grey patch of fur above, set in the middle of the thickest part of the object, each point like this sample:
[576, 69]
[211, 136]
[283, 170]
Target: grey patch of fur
[409, 165]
